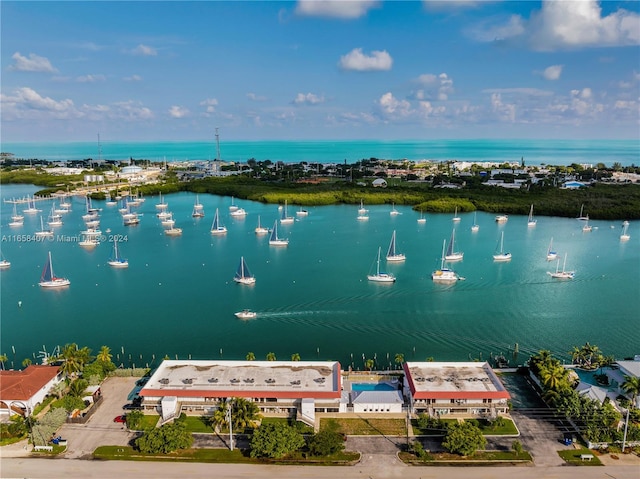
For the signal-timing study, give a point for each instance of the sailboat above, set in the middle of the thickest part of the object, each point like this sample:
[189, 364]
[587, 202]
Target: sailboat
[362, 210]
[302, 212]
[551, 255]
[500, 254]
[198, 209]
[48, 279]
[168, 220]
[625, 236]
[444, 275]
[422, 219]
[54, 218]
[285, 219]
[562, 274]
[392, 255]
[531, 221]
[161, 205]
[502, 218]
[16, 219]
[216, 227]
[4, 264]
[31, 207]
[455, 218]
[173, 231]
[452, 254]
[43, 232]
[394, 211]
[232, 206]
[116, 260]
[380, 277]
[90, 238]
[243, 275]
[239, 212]
[475, 226]
[587, 227]
[274, 240]
[261, 230]
[582, 216]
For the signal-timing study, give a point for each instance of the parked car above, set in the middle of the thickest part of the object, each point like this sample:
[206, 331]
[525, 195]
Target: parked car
[121, 419]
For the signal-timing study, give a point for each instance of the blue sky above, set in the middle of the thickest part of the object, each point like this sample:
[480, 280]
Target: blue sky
[319, 70]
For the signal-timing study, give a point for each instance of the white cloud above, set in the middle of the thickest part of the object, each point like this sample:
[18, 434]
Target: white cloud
[505, 111]
[308, 99]
[519, 91]
[91, 78]
[210, 105]
[26, 103]
[144, 50]
[133, 78]
[441, 85]
[34, 63]
[427, 78]
[494, 29]
[344, 9]
[553, 72]
[358, 61]
[392, 108]
[253, 97]
[177, 111]
[130, 111]
[452, 4]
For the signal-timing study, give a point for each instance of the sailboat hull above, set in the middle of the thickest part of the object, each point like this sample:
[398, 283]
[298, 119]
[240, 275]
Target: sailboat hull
[381, 278]
[55, 283]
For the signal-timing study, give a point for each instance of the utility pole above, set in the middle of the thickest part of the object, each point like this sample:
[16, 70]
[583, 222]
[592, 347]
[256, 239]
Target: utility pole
[229, 420]
[626, 425]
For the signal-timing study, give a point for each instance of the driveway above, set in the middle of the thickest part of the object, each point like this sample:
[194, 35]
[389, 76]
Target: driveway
[83, 439]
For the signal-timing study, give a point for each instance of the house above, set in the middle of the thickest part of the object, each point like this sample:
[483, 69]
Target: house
[22, 391]
[454, 388]
[628, 368]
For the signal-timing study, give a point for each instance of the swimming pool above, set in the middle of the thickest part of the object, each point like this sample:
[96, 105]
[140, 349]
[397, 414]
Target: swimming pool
[372, 387]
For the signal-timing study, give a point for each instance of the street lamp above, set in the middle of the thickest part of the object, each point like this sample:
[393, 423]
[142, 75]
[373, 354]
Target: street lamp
[229, 421]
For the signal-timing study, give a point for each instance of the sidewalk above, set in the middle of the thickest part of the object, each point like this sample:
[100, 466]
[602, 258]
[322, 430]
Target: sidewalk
[19, 449]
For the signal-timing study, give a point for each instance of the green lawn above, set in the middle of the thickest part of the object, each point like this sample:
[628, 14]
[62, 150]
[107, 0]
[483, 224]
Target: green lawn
[149, 421]
[197, 424]
[483, 456]
[572, 456]
[300, 426]
[508, 429]
[369, 427]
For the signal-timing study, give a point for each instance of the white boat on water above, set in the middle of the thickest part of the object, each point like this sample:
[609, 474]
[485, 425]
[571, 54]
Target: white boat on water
[216, 227]
[31, 207]
[243, 275]
[172, 231]
[302, 212]
[261, 230]
[362, 210]
[285, 218]
[562, 274]
[500, 254]
[452, 254]
[116, 260]
[531, 221]
[394, 211]
[587, 228]
[378, 276]
[625, 236]
[43, 232]
[168, 221]
[232, 206]
[246, 314]
[475, 226]
[582, 216]
[161, 205]
[89, 242]
[274, 240]
[502, 218]
[422, 219]
[4, 264]
[456, 218]
[392, 254]
[444, 275]
[551, 254]
[48, 279]
[238, 213]
[15, 216]
[198, 209]
[131, 220]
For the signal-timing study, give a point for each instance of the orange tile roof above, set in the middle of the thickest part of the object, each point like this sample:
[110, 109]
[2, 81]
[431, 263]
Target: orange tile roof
[22, 385]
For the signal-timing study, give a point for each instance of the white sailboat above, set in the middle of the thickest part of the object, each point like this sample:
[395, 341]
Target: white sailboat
[362, 210]
[15, 216]
[502, 218]
[444, 275]
[531, 221]
[551, 254]
[274, 240]
[31, 207]
[625, 236]
[392, 254]
[285, 219]
[562, 274]
[216, 227]
[394, 211]
[43, 232]
[243, 275]
[237, 213]
[4, 264]
[582, 216]
[48, 279]
[452, 254]
[302, 212]
[587, 228]
[198, 209]
[168, 221]
[455, 218]
[422, 219]
[173, 231]
[161, 205]
[261, 230]
[232, 206]
[54, 218]
[500, 254]
[116, 260]
[379, 276]
[475, 226]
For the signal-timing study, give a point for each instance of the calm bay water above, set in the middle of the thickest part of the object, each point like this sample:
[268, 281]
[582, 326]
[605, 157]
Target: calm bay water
[534, 152]
[178, 298]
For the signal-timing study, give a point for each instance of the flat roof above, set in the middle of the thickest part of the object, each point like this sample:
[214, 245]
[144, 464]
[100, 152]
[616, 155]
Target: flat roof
[632, 367]
[259, 379]
[449, 380]
[23, 385]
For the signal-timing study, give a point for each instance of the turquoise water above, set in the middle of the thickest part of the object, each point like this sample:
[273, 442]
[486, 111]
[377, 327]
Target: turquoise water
[534, 152]
[178, 297]
[372, 387]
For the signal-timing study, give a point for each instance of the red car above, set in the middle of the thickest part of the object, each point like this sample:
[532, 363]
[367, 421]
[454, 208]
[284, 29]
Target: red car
[121, 419]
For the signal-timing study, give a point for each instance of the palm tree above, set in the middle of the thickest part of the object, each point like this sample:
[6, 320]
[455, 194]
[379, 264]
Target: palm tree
[368, 364]
[72, 361]
[104, 355]
[26, 362]
[399, 359]
[554, 377]
[244, 414]
[271, 356]
[631, 385]
[78, 387]
[3, 358]
[219, 418]
[295, 357]
[250, 356]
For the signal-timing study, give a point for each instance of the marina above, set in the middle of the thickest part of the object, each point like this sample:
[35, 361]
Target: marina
[314, 298]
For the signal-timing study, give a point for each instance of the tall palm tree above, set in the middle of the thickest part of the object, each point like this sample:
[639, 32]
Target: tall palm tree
[244, 414]
[219, 418]
[26, 362]
[72, 360]
[250, 356]
[399, 359]
[104, 355]
[295, 357]
[368, 364]
[271, 356]
[631, 385]
[554, 377]
[78, 387]
[3, 358]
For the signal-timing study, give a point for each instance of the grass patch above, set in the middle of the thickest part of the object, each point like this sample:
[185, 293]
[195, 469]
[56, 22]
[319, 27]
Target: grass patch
[57, 449]
[5, 441]
[369, 427]
[508, 428]
[149, 421]
[490, 458]
[572, 456]
[197, 424]
[301, 427]
[426, 431]
[40, 407]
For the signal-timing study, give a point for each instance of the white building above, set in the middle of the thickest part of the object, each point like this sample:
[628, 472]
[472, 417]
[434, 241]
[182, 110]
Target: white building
[22, 391]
